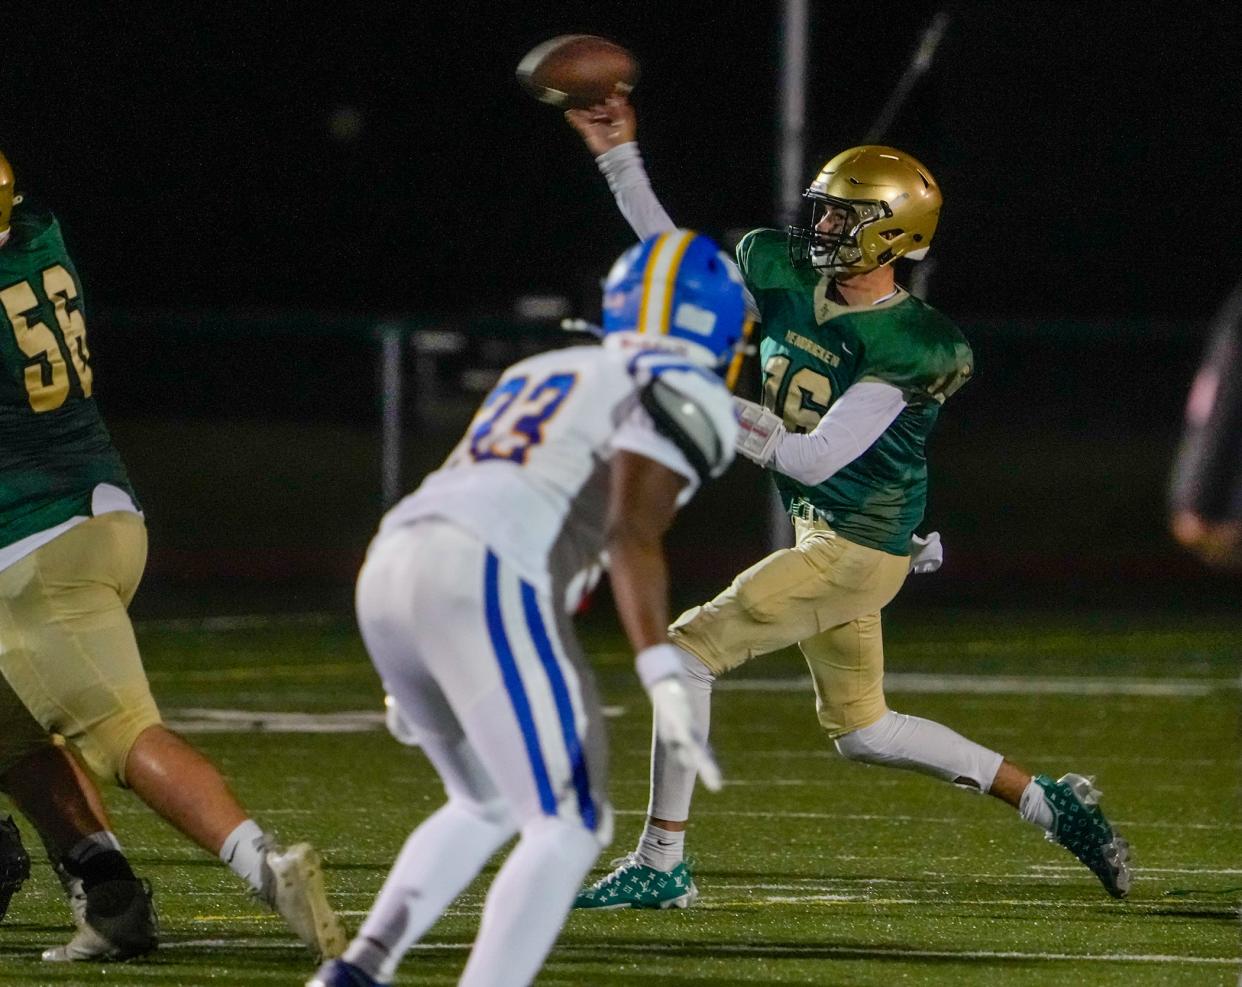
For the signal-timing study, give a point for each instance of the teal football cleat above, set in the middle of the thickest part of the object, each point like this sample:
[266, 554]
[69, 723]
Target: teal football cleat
[635, 885]
[1081, 828]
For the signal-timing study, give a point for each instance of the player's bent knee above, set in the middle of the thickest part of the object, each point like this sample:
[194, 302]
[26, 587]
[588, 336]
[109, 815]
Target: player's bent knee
[105, 745]
[880, 742]
[761, 607]
[572, 838]
[915, 744]
[856, 746]
[692, 633]
[494, 812]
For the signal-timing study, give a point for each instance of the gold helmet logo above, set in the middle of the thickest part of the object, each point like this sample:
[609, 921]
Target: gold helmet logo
[869, 206]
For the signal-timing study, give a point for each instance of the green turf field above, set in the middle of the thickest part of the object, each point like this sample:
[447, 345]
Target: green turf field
[812, 870]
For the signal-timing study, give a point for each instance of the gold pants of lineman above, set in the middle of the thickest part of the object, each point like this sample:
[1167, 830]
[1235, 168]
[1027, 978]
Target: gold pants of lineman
[68, 658]
[825, 595]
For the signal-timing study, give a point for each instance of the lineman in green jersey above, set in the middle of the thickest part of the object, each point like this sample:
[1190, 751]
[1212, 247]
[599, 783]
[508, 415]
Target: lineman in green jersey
[72, 551]
[855, 370]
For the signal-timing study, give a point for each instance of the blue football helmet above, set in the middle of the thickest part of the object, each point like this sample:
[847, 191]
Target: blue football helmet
[680, 286]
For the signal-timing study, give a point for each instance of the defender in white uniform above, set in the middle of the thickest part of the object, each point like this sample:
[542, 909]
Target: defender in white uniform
[577, 459]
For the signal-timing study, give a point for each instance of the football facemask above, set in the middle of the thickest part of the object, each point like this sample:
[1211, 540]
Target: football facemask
[869, 206]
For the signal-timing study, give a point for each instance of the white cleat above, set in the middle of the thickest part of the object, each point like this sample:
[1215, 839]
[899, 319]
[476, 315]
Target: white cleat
[294, 889]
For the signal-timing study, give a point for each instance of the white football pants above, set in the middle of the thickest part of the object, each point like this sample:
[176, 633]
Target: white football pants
[489, 677]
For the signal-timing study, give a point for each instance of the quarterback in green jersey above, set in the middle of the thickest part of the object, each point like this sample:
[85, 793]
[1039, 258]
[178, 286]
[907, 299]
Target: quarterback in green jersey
[73, 546]
[855, 370]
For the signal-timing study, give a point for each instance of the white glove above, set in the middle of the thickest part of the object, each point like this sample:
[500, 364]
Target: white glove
[759, 431]
[659, 668]
[397, 724]
[926, 554]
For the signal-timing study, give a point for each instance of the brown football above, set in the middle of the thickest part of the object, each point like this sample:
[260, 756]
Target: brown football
[577, 70]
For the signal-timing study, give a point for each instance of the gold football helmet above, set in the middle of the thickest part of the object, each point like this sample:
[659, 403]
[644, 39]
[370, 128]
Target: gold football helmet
[869, 206]
[7, 198]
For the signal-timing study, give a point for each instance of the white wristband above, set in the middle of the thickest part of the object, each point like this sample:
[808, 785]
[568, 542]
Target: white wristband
[660, 661]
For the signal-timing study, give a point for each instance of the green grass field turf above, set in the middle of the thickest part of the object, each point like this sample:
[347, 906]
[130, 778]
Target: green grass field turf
[812, 870]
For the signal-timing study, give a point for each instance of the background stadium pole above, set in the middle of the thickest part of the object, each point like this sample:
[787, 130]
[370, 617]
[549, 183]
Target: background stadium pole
[918, 65]
[790, 177]
[791, 138]
[392, 339]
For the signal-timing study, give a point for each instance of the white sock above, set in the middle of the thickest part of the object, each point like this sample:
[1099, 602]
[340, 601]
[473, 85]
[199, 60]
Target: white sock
[672, 784]
[1034, 808]
[438, 860]
[661, 848]
[528, 901]
[243, 851]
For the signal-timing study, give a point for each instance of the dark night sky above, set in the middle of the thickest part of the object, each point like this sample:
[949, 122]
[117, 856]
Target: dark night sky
[1088, 152]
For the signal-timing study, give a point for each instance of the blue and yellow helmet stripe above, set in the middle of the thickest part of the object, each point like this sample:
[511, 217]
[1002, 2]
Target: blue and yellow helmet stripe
[678, 285]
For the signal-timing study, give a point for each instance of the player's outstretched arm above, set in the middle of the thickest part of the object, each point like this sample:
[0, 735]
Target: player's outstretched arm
[642, 502]
[609, 130]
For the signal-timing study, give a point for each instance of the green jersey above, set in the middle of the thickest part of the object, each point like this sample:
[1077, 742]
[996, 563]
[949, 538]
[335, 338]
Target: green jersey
[54, 447]
[812, 349]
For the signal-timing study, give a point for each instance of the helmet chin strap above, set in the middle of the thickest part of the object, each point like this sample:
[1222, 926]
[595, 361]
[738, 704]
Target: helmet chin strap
[4, 237]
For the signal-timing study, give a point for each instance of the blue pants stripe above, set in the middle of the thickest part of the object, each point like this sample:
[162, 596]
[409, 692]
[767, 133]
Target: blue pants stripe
[564, 707]
[513, 683]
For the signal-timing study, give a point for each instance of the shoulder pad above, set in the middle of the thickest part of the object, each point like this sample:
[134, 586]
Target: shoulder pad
[693, 410]
[920, 351]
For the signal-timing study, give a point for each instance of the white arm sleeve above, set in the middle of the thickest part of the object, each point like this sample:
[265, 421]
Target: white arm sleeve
[623, 167]
[850, 428]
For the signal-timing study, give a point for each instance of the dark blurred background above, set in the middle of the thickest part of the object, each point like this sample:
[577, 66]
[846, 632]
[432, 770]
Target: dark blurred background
[250, 191]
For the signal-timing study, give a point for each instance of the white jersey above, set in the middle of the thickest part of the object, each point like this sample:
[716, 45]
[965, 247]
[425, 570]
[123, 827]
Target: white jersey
[530, 476]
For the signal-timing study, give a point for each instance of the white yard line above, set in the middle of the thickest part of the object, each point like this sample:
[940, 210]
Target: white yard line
[1002, 685]
[903, 819]
[760, 951]
[243, 622]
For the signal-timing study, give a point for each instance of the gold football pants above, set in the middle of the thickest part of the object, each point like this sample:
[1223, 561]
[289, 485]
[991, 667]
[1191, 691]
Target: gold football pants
[68, 657]
[825, 595]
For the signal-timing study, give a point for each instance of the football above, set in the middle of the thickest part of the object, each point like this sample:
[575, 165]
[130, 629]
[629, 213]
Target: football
[577, 70]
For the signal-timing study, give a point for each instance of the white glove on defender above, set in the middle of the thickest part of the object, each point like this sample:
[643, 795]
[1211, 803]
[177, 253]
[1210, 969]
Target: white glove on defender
[759, 431]
[659, 668]
[926, 554]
